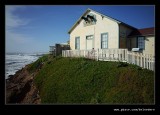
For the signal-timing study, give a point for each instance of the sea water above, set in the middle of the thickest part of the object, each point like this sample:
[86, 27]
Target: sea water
[16, 61]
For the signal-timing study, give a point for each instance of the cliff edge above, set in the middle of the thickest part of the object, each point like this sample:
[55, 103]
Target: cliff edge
[20, 88]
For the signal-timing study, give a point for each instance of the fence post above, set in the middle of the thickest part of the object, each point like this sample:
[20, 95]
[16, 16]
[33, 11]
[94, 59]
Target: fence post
[138, 56]
[132, 58]
[69, 53]
[135, 58]
[113, 52]
[122, 55]
[126, 55]
[64, 52]
[97, 54]
[149, 64]
[153, 58]
[101, 53]
[147, 61]
[144, 61]
[141, 56]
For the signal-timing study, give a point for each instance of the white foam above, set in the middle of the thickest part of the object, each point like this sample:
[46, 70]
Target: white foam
[17, 62]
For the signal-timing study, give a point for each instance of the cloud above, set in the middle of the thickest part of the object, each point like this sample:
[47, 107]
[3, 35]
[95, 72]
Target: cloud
[19, 32]
[18, 38]
[12, 20]
[15, 37]
[17, 42]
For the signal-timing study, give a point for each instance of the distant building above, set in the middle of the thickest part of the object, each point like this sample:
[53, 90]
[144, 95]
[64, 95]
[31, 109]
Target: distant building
[52, 50]
[57, 49]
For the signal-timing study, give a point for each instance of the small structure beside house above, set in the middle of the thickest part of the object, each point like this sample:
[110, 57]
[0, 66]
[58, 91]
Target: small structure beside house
[57, 49]
[143, 39]
[52, 50]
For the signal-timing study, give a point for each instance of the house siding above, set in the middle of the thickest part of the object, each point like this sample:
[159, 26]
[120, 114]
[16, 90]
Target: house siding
[103, 25]
[149, 45]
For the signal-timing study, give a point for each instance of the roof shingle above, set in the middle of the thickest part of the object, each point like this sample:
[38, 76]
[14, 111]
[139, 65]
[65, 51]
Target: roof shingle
[144, 31]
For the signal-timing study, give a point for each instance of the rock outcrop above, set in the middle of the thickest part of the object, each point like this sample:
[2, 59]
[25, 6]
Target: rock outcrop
[20, 88]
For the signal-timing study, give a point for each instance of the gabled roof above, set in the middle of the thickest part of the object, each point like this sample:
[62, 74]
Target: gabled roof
[143, 32]
[88, 10]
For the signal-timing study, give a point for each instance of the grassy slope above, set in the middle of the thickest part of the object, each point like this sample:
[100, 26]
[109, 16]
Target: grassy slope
[78, 80]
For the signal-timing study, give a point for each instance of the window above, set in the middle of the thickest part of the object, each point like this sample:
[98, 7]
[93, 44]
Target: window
[90, 37]
[141, 42]
[104, 40]
[77, 43]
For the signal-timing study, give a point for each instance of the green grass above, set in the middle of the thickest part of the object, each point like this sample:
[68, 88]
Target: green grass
[79, 80]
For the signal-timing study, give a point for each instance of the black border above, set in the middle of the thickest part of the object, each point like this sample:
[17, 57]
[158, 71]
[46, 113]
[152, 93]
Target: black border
[2, 56]
[157, 57]
[81, 2]
[72, 108]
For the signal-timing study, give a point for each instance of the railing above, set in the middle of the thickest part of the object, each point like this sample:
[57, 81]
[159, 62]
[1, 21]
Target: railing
[143, 60]
[112, 54]
[79, 53]
[122, 55]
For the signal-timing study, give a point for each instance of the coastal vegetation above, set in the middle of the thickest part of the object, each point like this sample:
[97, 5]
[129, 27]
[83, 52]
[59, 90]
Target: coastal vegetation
[82, 81]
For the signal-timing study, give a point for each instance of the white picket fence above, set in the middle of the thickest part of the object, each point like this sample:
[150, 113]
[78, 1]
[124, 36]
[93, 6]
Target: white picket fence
[122, 55]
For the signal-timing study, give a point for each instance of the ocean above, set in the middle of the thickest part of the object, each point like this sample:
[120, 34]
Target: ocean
[16, 61]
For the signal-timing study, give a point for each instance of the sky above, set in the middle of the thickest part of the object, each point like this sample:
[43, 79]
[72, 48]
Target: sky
[33, 28]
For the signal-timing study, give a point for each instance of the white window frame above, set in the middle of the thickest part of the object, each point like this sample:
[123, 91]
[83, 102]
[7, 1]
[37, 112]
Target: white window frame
[104, 42]
[77, 43]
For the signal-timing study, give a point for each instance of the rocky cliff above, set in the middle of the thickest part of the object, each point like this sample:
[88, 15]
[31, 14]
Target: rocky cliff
[20, 88]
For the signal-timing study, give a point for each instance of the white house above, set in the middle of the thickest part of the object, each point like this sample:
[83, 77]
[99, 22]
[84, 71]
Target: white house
[98, 31]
